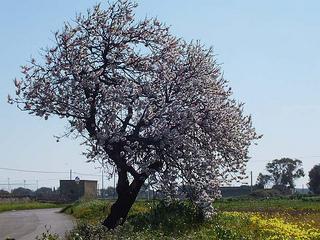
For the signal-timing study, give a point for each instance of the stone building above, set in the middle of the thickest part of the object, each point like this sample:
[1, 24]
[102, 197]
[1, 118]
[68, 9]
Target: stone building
[71, 190]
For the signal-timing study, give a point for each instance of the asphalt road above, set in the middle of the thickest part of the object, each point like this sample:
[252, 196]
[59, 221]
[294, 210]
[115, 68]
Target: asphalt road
[27, 224]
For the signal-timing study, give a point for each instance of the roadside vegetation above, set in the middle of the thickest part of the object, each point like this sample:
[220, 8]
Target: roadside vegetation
[10, 206]
[237, 219]
[271, 205]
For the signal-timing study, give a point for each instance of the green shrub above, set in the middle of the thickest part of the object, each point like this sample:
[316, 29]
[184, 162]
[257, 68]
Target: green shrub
[182, 220]
[93, 210]
[175, 220]
[171, 217]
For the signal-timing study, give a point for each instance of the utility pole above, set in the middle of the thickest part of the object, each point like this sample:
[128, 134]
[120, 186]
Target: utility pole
[9, 190]
[114, 182]
[102, 192]
[70, 174]
[37, 184]
[24, 183]
[251, 180]
[148, 189]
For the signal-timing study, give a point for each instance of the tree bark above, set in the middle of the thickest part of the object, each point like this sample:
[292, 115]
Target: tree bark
[127, 195]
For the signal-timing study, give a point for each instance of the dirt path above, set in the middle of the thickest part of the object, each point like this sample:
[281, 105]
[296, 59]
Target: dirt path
[27, 224]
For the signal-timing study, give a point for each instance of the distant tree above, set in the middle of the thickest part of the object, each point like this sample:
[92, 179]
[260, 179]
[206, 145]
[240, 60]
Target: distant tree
[314, 176]
[4, 193]
[22, 192]
[43, 191]
[285, 171]
[145, 102]
[263, 180]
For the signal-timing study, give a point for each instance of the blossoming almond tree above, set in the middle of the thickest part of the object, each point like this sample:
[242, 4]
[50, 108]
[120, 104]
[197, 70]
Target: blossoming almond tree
[145, 102]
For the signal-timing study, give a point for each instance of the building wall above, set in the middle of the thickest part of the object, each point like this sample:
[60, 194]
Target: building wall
[90, 189]
[71, 191]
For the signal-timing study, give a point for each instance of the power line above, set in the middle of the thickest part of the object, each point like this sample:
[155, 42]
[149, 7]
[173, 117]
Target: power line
[311, 156]
[32, 171]
[18, 184]
[38, 171]
[14, 181]
[87, 174]
[297, 157]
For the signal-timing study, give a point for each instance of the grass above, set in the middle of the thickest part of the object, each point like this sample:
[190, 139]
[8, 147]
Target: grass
[269, 205]
[238, 219]
[26, 205]
[95, 211]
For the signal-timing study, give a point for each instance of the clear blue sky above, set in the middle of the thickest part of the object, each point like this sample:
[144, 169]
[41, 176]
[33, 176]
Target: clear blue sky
[269, 51]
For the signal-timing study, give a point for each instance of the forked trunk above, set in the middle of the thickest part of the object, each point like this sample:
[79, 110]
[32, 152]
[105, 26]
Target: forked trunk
[127, 195]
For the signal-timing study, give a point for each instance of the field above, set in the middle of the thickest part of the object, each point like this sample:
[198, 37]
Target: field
[7, 206]
[237, 219]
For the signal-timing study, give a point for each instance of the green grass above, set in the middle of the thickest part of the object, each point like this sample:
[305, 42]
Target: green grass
[165, 221]
[181, 220]
[96, 210]
[26, 205]
[268, 205]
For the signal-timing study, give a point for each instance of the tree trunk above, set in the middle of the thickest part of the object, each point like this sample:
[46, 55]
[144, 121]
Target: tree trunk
[127, 195]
